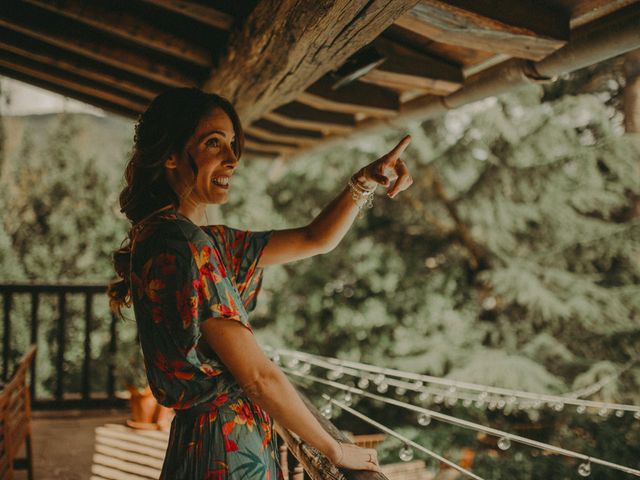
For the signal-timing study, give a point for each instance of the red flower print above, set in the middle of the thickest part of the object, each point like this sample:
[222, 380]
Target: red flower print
[153, 289]
[218, 259]
[209, 371]
[224, 311]
[230, 445]
[166, 263]
[244, 415]
[219, 473]
[156, 314]
[221, 399]
[187, 305]
[228, 427]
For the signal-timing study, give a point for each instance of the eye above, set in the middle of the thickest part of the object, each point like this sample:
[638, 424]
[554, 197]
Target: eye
[212, 142]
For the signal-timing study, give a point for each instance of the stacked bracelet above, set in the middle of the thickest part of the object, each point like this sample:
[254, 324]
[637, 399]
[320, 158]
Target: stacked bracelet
[361, 195]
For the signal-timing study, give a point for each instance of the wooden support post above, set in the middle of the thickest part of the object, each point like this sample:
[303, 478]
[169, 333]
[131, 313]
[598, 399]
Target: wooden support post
[62, 330]
[86, 361]
[284, 460]
[6, 341]
[298, 472]
[35, 305]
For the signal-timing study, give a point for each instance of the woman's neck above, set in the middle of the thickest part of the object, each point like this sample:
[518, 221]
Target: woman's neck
[194, 212]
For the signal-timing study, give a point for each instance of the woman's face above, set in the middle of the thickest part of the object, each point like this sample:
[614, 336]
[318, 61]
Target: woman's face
[211, 149]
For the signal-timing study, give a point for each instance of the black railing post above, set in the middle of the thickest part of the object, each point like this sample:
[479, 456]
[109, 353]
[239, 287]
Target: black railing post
[6, 343]
[86, 362]
[35, 305]
[62, 311]
[113, 348]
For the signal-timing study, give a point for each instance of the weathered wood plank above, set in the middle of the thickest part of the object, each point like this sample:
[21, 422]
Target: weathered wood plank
[264, 147]
[201, 13]
[112, 19]
[71, 81]
[519, 28]
[60, 59]
[286, 45]
[299, 115]
[273, 131]
[56, 88]
[18, 17]
[407, 69]
[355, 97]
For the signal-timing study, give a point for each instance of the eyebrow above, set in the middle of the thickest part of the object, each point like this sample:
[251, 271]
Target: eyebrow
[221, 132]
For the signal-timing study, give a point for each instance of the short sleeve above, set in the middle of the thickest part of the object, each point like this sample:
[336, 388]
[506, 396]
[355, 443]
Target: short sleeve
[184, 284]
[242, 251]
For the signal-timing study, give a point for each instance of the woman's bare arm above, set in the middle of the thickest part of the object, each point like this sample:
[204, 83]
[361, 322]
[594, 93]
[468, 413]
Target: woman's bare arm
[267, 385]
[326, 231]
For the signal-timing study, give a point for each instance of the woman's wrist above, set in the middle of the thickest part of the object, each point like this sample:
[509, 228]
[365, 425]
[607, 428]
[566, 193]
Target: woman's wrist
[361, 179]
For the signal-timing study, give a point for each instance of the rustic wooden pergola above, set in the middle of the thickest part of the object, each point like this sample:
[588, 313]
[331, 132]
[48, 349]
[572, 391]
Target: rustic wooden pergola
[303, 73]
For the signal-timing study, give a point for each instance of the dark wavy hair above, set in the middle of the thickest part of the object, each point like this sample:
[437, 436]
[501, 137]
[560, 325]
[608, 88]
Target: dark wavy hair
[163, 129]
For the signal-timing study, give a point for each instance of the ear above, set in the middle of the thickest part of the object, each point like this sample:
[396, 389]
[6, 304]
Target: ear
[171, 161]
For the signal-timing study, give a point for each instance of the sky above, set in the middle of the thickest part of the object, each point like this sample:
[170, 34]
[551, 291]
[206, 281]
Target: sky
[24, 99]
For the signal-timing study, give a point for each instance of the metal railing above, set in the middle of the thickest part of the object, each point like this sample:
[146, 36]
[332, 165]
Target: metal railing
[89, 395]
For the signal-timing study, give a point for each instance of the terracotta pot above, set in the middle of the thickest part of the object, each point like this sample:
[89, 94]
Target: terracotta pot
[143, 408]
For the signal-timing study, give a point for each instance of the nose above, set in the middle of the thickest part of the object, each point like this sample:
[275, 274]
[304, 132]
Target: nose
[230, 158]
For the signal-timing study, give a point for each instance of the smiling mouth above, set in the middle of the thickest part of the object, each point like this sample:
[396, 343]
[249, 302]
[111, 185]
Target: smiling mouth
[221, 182]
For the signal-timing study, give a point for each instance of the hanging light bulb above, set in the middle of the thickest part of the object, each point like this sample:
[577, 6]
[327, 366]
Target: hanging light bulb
[401, 390]
[450, 401]
[327, 411]
[584, 470]
[275, 357]
[604, 411]
[619, 413]
[512, 400]
[293, 362]
[438, 398]
[305, 368]
[483, 396]
[581, 409]
[363, 383]
[492, 404]
[501, 404]
[424, 419]
[406, 453]
[378, 379]
[418, 384]
[451, 390]
[335, 374]
[504, 443]
[467, 402]
[424, 396]
[479, 403]
[558, 407]
[637, 415]
[383, 387]
[347, 399]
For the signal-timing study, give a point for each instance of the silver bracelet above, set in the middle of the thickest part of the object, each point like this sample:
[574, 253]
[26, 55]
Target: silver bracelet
[361, 195]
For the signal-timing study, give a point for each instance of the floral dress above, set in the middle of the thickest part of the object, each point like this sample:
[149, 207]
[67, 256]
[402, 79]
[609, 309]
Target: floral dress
[181, 275]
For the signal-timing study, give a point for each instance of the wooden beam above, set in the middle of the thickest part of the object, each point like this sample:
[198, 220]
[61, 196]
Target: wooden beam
[408, 69]
[16, 16]
[355, 97]
[72, 82]
[256, 154]
[299, 115]
[200, 13]
[260, 146]
[112, 19]
[519, 28]
[59, 59]
[286, 45]
[268, 130]
[61, 90]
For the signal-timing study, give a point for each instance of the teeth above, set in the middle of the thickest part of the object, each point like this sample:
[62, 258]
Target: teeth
[221, 181]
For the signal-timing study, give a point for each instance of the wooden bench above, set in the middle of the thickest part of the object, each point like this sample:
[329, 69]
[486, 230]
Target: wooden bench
[15, 421]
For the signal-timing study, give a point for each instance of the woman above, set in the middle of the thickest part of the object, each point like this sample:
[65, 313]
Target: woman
[193, 286]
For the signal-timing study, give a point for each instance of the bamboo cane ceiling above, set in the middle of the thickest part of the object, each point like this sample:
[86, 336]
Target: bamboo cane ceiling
[300, 72]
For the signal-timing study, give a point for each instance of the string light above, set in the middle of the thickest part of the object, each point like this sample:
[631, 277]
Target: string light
[406, 453]
[407, 442]
[459, 390]
[467, 424]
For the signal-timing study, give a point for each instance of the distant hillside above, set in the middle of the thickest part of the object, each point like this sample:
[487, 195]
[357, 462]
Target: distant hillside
[107, 139]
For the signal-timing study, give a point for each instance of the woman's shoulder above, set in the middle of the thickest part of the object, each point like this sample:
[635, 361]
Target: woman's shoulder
[169, 232]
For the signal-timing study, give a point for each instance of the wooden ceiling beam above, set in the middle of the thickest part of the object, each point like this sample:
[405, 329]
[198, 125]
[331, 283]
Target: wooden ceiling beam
[355, 97]
[71, 81]
[71, 93]
[255, 145]
[519, 28]
[203, 14]
[299, 115]
[272, 131]
[47, 55]
[407, 69]
[286, 45]
[112, 20]
[14, 16]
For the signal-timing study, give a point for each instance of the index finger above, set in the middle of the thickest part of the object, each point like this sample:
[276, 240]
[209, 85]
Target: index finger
[400, 147]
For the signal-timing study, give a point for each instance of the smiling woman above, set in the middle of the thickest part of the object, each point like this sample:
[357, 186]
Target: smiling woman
[192, 288]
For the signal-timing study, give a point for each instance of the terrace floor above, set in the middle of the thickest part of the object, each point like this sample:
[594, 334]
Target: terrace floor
[96, 445]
